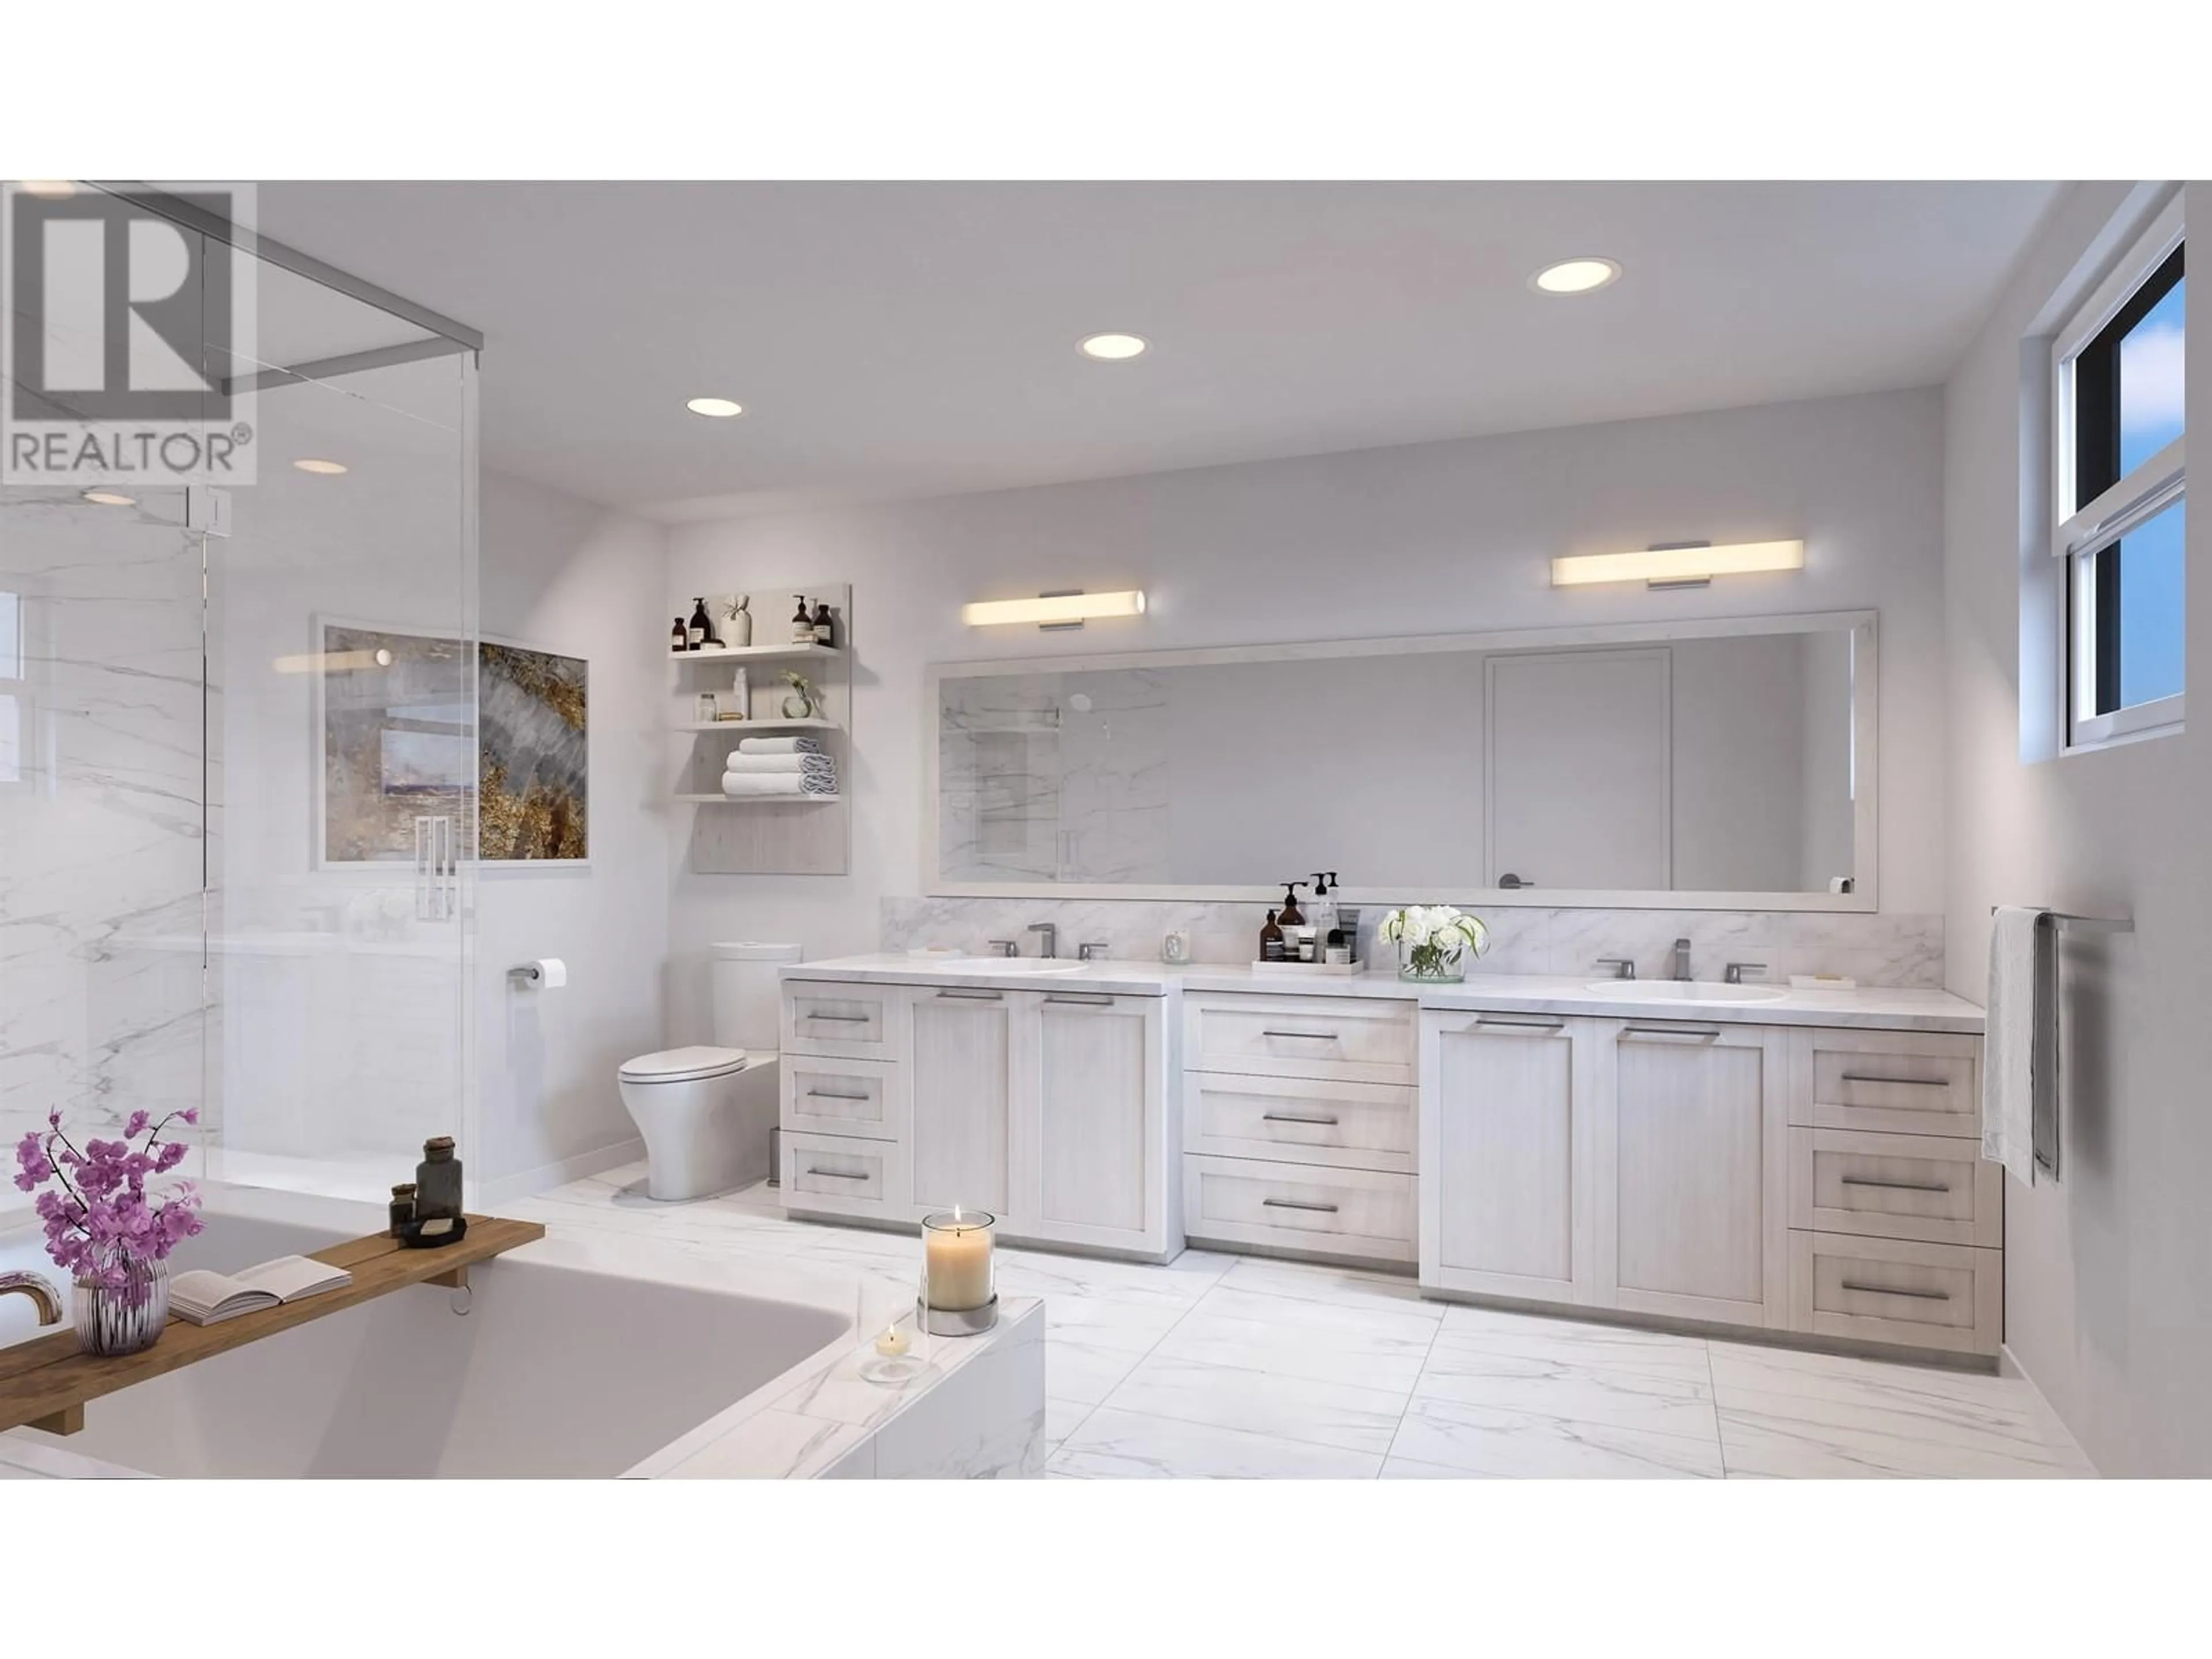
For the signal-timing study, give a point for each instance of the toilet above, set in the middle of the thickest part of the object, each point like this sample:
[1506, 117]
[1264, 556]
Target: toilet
[707, 1113]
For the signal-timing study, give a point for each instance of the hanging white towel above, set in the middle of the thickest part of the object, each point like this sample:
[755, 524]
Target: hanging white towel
[2012, 1048]
[779, 745]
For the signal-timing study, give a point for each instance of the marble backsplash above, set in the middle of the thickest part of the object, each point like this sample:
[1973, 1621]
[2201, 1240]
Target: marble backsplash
[1901, 951]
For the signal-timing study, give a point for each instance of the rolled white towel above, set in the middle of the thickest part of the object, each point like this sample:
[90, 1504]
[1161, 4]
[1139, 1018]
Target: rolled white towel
[778, 783]
[741, 761]
[779, 745]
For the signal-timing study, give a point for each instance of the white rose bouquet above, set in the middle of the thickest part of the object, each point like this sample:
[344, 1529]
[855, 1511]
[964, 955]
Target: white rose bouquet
[1434, 939]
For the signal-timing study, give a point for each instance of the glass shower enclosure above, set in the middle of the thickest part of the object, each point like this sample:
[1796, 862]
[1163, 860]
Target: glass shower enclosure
[238, 756]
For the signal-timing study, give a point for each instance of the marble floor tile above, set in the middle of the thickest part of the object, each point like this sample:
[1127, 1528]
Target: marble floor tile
[1364, 1359]
[1569, 1393]
[1348, 1287]
[1415, 1326]
[1131, 1445]
[1348, 1415]
[1408, 1468]
[1083, 1372]
[1062, 1417]
[1494, 1440]
[1979, 1395]
[1798, 1434]
[1573, 1342]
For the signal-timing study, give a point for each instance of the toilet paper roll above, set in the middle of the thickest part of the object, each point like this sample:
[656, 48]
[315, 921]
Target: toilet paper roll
[549, 973]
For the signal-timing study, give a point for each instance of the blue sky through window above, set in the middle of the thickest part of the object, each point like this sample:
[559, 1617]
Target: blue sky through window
[2150, 380]
[2151, 589]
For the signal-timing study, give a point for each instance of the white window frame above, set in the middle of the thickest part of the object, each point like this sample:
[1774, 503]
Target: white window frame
[16, 697]
[2083, 530]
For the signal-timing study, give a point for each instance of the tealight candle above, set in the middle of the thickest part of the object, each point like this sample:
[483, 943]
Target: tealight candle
[893, 1342]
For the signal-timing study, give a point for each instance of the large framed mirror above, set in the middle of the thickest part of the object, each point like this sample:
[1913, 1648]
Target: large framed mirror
[1726, 764]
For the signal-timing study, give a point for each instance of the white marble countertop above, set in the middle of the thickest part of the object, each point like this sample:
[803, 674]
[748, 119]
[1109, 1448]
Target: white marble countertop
[1874, 1007]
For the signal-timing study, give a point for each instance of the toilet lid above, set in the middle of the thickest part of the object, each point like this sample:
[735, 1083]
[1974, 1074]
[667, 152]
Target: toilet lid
[682, 1065]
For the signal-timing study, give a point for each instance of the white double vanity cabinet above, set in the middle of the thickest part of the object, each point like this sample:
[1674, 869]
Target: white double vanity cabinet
[1809, 1163]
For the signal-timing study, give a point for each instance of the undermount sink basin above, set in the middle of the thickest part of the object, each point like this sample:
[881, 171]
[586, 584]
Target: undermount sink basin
[1007, 965]
[1684, 990]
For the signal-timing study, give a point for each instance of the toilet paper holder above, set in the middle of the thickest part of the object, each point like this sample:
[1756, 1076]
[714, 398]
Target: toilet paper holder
[547, 974]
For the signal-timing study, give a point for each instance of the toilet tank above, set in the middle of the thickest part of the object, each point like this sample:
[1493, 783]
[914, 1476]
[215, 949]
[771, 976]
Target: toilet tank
[746, 1000]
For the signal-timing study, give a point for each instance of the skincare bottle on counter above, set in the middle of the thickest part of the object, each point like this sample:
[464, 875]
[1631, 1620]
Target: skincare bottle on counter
[438, 1182]
[402, 1207]
[699, 633]
[741, 695]
[1291, 916]
[802, 625]
[1271, 940]
[825, 626]
[678, 639]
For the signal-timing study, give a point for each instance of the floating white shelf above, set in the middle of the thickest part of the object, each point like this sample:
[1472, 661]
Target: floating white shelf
[756, 801]
[742, 726]
[753, 652]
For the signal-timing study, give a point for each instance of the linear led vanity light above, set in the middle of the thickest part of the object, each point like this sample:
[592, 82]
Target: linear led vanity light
[1054, 610]
[1664, 565]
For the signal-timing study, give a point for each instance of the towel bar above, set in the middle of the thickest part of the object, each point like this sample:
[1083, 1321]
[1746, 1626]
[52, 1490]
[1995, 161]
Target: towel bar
[2085, 924]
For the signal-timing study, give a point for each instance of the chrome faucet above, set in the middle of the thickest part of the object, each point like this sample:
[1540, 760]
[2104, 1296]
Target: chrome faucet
[1051, 938]
[1623, 967]
[1682, 959]
[43, 1297]
[1736, 970]
[1093, 949]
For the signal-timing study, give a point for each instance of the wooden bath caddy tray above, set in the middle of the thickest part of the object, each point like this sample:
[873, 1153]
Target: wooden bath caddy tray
[45, 1382]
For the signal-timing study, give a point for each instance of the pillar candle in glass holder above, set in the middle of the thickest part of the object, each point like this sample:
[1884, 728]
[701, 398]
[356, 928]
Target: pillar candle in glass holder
[956, 1259]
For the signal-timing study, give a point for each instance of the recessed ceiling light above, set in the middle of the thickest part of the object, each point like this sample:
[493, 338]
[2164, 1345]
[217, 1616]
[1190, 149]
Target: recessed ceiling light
[54, 190]
[109, 498]
[720, 408]
[1582, 276]
[321, 468]
[1115, 347]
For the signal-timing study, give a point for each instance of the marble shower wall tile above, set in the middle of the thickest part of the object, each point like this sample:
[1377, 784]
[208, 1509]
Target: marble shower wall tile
[1898, 950]
[102, 1008]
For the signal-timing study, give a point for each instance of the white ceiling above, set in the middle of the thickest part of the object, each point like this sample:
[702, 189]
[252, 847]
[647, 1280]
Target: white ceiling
[901, 340]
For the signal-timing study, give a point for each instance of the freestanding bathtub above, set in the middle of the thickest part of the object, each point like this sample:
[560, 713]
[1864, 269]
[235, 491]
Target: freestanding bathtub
[578, 1356]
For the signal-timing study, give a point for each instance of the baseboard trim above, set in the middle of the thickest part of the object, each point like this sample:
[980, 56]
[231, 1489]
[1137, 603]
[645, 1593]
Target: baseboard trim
[2047, 1418]
[530, 1182]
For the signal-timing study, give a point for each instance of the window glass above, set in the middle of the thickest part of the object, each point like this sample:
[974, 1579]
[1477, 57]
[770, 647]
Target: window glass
[2151, 594]
[2150, 380]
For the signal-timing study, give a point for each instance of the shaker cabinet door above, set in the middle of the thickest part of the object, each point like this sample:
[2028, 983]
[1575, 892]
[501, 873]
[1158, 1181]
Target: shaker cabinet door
[1505, 1157]
[1693, 1172]
[961, 1094]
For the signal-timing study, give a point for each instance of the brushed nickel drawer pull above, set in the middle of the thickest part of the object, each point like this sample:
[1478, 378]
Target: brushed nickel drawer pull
[1695, 1033]
[841, 1019]
[1293, 1117]
[1309, 1037]
[1890, 1290]
[1083, 1002]
[974, 996]
[1908, 1082]
[1899, 1186]
[838, 1174]
[1522, 1025]
[832, 1094]
[1295, 1204]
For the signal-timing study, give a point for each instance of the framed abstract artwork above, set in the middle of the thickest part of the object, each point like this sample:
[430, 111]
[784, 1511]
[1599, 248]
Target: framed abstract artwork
[490, 738]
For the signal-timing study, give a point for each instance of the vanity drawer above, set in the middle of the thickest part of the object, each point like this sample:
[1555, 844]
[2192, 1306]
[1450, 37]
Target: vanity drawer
[850, 1177]
[850, 1021]
[1901, 1082]
[1360, 1126]
[864, 1097]
[1337, 1039]
[1898, 1291]
[1886, 1185]
[1301, 1207]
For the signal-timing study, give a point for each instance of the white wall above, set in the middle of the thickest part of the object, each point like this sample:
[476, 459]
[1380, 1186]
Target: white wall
[585, 581]
[1434, 538]
[2105, 1302]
